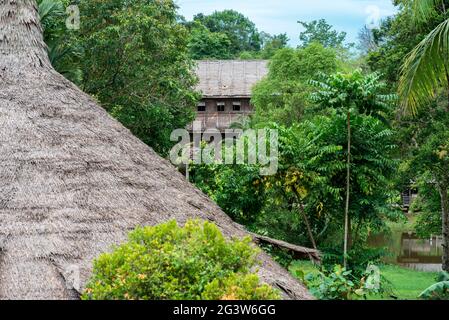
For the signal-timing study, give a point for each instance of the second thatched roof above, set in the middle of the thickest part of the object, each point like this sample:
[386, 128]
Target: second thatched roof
[229, 78]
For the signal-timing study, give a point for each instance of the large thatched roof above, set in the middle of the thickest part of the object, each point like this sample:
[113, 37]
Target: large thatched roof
[74, 180]
[229, 78]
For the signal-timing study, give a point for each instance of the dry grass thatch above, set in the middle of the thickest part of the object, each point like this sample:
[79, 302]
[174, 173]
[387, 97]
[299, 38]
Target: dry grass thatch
[74, 180]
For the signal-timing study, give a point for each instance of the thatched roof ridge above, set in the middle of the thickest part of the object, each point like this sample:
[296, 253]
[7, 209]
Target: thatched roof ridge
[74, 180]
[229, 78]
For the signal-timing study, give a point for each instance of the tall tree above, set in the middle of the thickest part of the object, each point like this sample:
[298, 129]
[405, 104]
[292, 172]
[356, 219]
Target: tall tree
[352, 94]
[204, 44]
[272, 43]
[425, 73]
[240, 30]
[367, 41]
[322, 32]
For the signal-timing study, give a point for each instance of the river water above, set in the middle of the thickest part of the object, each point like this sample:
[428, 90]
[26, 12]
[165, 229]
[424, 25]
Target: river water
[407, 250]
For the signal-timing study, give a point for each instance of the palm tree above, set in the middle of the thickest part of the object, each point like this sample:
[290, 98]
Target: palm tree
[48, 8]
[74, 180]
[424, 72]
[426, 67]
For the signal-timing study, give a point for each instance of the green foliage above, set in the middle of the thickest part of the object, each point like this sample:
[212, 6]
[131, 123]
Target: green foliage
[354, 92]
[411, 49]
[443, 276]
[136, 63]
[438, 291]
[304, 63]
[308, 187]
[241, 32]
[428, 208]
[425, 69]
[397, 36]
[235, 188]
[362, 96]
[237, 287]
[282, 96]
[359, 256]
[49, 8]
[321, 32]
[63, 50]
[311, 173]
[229, 35]
[339, 284]
[427, 163]
[204, 44]
[272, 43]
[334, 286]
[171, 262]
[423, 9]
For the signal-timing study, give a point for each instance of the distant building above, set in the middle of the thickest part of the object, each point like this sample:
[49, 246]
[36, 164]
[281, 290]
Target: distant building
[226, 91]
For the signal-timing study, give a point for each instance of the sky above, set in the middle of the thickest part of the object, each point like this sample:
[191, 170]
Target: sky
[281, 16]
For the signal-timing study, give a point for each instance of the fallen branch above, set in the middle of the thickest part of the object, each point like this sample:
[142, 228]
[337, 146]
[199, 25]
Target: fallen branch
[298, 251]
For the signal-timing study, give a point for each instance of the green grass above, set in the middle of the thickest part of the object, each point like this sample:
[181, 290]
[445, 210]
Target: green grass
[304, 266]
[406, 284]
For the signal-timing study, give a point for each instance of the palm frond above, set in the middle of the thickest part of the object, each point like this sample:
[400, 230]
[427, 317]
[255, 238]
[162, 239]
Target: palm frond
[49, 8]
[423, 9]
[425, 69]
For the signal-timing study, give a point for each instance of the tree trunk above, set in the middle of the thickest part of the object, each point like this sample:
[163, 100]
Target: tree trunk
[348, 181]
[74, 180]
[309, 228]
[445, 228]
[447, 79]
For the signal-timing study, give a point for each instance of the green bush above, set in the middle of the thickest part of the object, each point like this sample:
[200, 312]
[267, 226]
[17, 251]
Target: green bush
[438, 291]
[359, 256]
[336, 285]
[339, 284]
[171, 262]
[239, 287]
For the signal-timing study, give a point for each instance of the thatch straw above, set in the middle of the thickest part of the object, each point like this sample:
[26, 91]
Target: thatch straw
[229, 78]
[74, 180]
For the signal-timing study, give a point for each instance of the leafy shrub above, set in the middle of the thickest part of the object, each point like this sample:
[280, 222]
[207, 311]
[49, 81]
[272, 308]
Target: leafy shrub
[236, 189]
[438, 291]
[336, 285]
[171, 262]
[443, 276]
[359, 256]
[339, 284]
[241, 287]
